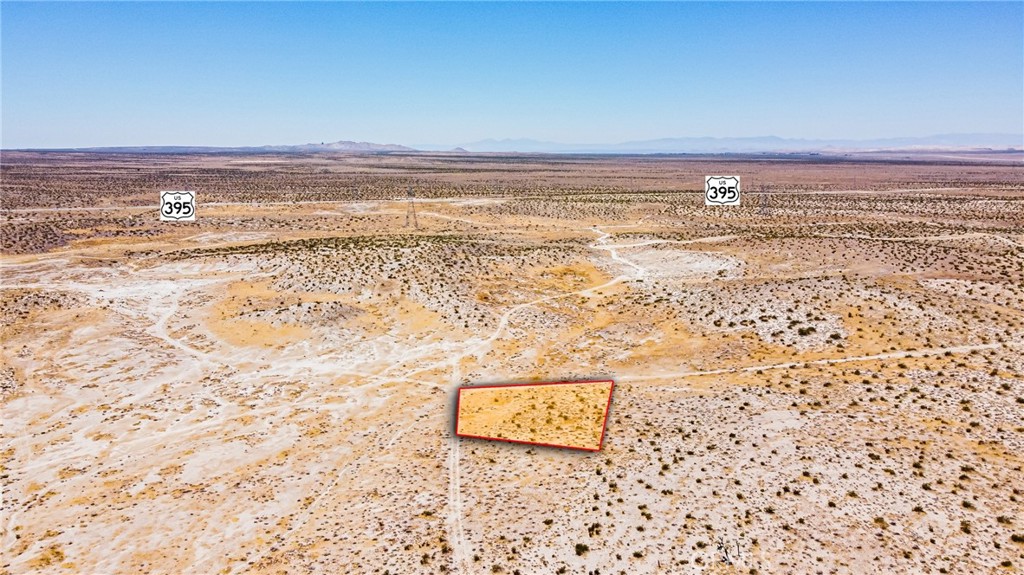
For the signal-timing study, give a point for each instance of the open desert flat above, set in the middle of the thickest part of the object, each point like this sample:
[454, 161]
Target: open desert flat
[827, 378]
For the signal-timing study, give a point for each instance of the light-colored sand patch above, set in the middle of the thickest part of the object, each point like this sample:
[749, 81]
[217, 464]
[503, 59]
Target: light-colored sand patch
[664, 261]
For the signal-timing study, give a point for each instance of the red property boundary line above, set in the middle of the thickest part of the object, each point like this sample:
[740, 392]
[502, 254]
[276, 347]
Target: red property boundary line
[604, 422]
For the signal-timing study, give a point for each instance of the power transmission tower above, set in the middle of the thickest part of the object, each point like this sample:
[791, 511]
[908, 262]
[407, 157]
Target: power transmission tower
[723, 548]
[763, 205]
[411, 210]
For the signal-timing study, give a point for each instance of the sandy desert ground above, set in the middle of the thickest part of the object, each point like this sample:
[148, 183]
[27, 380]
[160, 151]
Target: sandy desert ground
[559, 414]
[827, 379]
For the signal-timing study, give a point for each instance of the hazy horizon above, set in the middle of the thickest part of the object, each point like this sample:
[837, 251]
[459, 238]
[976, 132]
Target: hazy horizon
[443, 75]
[691, 144]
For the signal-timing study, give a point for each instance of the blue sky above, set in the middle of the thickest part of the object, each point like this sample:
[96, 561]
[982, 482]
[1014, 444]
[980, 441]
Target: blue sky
[100, 74]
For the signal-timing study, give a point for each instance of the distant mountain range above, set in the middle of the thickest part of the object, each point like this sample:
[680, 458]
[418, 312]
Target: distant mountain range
[705, 145]
[339, 146]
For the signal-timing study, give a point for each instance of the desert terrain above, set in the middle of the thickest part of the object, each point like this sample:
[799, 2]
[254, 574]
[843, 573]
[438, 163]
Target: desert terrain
[561, 414]
[826, 379]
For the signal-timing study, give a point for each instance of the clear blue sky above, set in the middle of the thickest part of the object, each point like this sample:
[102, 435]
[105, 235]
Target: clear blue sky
[99, 74]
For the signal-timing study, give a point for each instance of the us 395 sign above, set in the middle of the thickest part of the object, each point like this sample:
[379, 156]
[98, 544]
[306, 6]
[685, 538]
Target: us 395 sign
[177, 206]
[721, 190]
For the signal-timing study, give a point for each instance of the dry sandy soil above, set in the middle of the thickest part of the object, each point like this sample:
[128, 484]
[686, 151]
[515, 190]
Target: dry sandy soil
[828, 379]
[567, 414]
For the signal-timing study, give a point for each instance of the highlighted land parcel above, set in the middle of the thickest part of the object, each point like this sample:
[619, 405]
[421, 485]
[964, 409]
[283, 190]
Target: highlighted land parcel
[570, 414]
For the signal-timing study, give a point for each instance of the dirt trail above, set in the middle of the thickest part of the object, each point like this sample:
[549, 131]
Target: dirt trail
[460, 552]
[829, 361]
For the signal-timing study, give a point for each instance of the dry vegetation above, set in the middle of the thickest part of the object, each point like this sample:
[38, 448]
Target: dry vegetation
[828, 379]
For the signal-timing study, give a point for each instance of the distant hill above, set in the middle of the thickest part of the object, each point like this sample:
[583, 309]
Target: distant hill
[700, 145]
[339, 146]
[708, 145]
